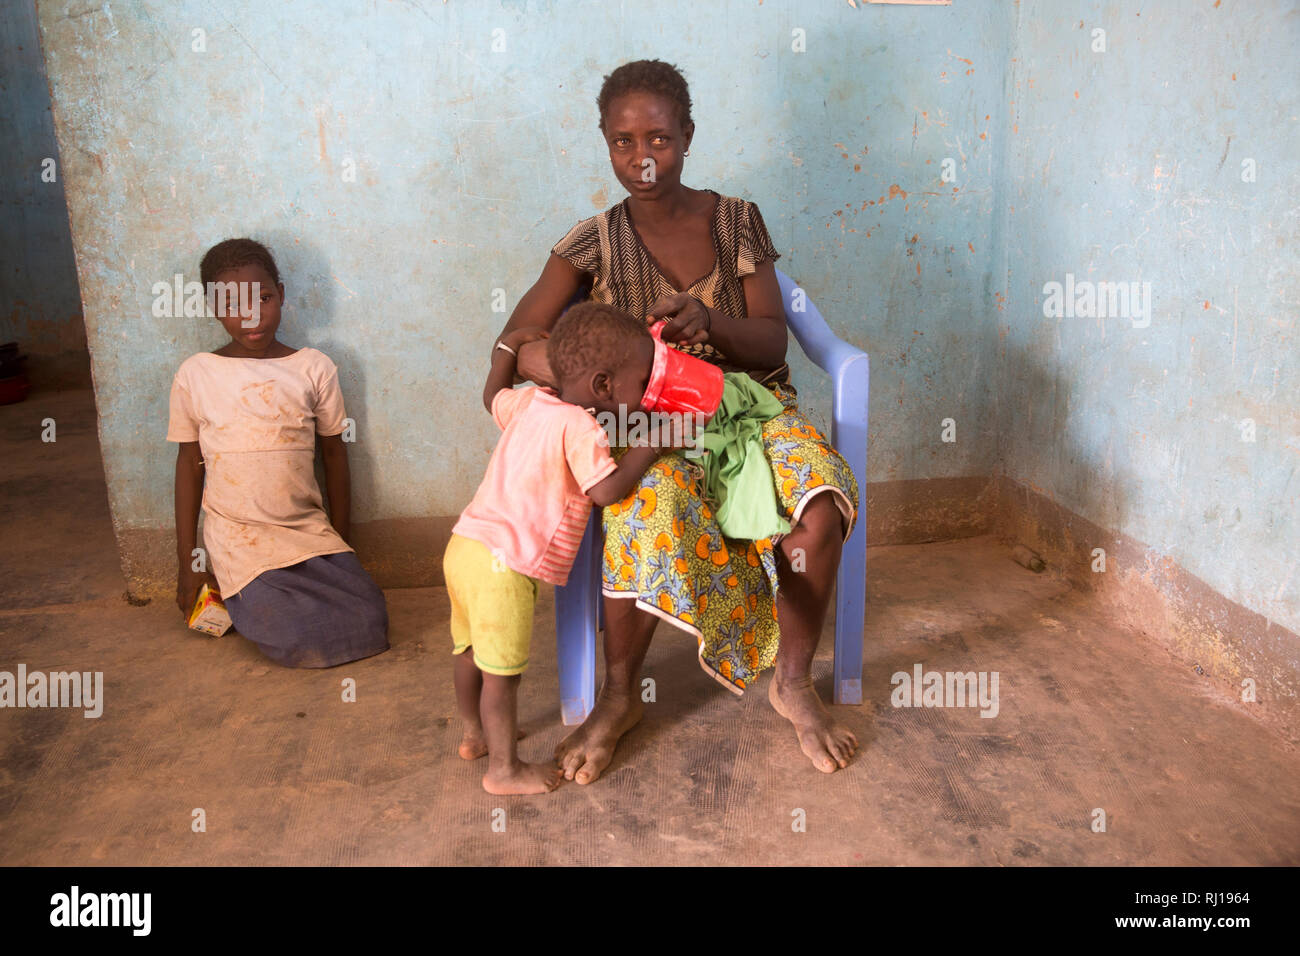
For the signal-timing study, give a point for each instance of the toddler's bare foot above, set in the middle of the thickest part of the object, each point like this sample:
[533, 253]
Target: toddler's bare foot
[522, 778]
[824, 740]
[472, 745]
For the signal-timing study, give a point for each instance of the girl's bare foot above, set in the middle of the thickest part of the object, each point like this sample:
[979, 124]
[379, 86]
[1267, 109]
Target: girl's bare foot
[472, 745]
[584, 754]
[824, 741]
[521, 778]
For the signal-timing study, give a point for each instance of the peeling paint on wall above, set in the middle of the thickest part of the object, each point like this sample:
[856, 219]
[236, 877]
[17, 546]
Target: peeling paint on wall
[1144, 177]
[469, 166]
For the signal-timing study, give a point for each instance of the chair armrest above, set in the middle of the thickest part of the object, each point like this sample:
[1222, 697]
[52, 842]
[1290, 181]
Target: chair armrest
[850, 372]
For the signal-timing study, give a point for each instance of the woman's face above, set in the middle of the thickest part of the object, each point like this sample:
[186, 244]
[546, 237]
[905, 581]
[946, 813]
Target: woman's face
[646, 143]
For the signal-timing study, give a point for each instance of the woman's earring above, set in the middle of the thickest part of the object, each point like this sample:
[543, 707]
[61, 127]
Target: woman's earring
[687, 153]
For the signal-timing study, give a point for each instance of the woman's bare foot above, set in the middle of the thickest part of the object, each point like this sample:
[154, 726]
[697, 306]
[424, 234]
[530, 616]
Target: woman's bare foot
[584, 754]
[472, 745]
[521, 778]
[824, 741]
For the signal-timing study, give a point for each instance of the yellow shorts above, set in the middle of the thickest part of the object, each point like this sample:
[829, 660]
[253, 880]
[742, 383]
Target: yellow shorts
[491, 607]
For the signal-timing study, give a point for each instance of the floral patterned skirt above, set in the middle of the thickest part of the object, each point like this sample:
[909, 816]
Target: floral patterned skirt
[664, 549]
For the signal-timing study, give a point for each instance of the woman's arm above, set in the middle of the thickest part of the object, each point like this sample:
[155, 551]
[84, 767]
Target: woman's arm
[505, 360]
[189, 495]
[757, 341]
[338, 483]
[540, 307]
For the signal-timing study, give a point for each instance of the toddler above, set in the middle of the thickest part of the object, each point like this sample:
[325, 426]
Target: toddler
[528, 516]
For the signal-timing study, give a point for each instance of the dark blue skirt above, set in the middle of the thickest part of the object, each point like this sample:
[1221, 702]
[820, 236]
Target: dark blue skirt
[324, 611]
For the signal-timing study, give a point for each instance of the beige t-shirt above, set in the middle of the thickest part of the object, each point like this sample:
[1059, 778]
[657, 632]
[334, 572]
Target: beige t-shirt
[256, 422]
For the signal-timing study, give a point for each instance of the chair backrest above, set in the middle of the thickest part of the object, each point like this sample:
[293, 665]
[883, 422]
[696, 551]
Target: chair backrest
[805, 321]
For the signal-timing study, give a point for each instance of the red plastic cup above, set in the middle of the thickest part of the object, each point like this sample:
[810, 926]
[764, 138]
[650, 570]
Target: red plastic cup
[681, 382]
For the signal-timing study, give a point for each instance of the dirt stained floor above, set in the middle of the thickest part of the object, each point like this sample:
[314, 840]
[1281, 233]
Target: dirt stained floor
[1091, 717]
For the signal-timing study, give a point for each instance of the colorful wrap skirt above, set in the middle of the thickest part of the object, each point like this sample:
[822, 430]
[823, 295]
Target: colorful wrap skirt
[663, 547]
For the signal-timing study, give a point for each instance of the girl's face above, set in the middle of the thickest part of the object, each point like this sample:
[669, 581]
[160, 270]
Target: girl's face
[252, 329]
[641, 126]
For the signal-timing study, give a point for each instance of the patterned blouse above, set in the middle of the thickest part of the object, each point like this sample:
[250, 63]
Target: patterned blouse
[624, 273]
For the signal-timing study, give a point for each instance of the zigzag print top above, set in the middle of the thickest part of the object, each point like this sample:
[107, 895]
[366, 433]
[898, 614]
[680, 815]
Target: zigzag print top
[624, 273]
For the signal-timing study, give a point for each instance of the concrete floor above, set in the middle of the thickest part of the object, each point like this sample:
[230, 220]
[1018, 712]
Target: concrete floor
[1092, 716]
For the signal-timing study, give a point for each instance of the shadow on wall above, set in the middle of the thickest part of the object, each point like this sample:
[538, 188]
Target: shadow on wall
[311, 319]
[1038, 443]
[40, 299]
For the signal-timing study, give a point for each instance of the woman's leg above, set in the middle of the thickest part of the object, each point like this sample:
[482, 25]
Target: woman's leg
[809, 559]
[584, 754]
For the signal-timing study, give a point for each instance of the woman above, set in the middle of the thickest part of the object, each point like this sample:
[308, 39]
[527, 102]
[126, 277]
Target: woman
[705, 263]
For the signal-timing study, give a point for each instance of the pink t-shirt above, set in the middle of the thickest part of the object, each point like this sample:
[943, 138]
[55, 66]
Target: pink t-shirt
[532, 508]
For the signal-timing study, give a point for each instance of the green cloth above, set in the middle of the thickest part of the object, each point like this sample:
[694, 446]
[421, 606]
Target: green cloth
[737, 475]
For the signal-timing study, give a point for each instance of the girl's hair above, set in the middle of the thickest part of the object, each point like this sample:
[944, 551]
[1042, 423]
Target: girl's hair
[233, 253]
[592, 335]
[646, 76]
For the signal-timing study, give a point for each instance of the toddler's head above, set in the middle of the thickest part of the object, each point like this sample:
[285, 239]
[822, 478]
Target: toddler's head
[233, 266]
[601, 357]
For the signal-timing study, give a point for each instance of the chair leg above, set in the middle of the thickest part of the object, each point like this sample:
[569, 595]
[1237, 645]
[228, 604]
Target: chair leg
[850, 611]
[849, 435]
[576, 607]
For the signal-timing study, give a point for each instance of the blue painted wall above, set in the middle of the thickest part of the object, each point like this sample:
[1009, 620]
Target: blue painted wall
[1127, 165]
[40, 306]
[469, 164]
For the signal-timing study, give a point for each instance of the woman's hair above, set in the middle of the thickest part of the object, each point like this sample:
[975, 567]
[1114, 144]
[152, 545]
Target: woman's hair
[592, 335]
[233, 253]
[646, 76]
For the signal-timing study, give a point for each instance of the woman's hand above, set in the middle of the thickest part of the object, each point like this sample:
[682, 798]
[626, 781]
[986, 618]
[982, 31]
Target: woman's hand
[688, 320]
[188, 583]
[522, 336]
[506, 357]
[532, 363]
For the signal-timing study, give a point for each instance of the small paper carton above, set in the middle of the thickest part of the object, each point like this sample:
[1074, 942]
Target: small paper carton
[209, 615]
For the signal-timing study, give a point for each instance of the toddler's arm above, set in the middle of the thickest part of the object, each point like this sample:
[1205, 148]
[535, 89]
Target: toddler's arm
[636, 461]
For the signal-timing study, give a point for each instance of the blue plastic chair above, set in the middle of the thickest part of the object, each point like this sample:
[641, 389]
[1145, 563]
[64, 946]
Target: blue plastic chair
[578, 609]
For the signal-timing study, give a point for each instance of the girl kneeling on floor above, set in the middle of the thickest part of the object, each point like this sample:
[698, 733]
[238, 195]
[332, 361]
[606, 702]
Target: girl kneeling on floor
[247, 418]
